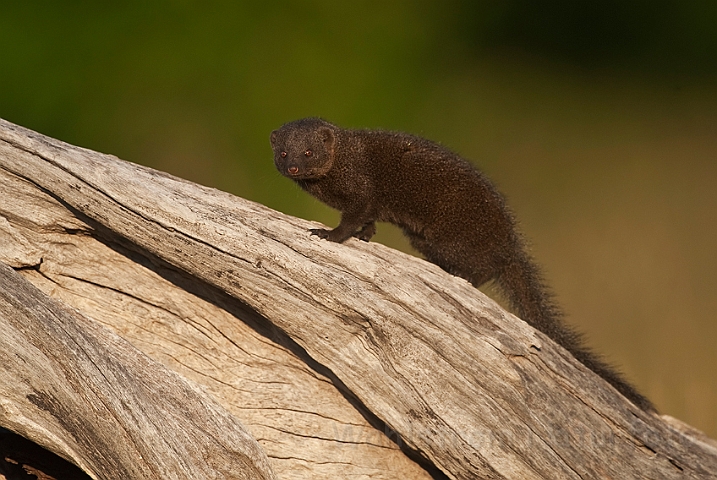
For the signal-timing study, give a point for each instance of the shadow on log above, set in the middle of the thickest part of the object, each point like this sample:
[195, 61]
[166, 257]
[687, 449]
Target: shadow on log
[335, 357]
[21, 459]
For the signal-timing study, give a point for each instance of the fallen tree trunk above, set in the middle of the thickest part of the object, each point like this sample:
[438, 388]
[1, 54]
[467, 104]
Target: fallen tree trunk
[307, 427]
[333, 356]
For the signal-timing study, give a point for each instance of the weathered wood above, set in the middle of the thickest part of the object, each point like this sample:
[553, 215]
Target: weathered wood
[306, 426]
[469, 386]
[84, 392]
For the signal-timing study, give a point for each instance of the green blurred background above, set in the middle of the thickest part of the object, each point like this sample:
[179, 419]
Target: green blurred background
[597, 119]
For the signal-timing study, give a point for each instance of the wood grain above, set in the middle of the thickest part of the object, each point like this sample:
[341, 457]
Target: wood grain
[86, 393]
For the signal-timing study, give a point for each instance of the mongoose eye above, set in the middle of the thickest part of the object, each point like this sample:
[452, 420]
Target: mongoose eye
[283, 154]
[308, 153]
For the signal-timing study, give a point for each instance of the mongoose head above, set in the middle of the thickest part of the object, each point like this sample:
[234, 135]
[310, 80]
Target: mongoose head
[304, 149]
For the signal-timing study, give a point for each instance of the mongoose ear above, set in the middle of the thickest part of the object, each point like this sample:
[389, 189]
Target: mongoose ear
[327, 136]
[273, 138]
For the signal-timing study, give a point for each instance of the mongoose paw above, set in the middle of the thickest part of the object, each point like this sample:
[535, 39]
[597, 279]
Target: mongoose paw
[366, 232]
[320, 232]
[336, 235]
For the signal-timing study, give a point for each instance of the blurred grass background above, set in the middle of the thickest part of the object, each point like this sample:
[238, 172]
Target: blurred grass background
[597, 119]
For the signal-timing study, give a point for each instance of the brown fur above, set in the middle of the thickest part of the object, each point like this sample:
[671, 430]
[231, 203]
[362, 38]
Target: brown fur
[449, 210]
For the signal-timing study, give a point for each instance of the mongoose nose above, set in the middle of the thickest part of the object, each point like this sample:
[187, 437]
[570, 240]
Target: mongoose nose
[293, 170]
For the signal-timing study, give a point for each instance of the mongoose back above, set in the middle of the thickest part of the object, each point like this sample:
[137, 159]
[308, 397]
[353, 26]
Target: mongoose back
[449, 210]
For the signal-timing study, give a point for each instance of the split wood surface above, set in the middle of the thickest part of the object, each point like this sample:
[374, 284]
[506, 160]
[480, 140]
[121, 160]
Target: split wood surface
[172, 314]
